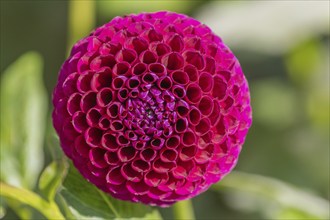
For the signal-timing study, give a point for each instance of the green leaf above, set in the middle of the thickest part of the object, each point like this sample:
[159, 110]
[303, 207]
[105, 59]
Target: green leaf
[274, 198]
[23, 112]
[85, 201]
[51, 179]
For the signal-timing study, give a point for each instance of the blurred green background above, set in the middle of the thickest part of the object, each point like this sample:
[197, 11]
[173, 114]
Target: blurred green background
[283, 47]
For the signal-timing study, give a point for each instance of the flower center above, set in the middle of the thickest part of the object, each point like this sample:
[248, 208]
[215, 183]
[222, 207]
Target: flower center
[150, 116]
[150, 113]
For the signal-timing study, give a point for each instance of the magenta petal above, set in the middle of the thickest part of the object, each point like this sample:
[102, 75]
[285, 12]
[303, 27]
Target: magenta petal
[88, 101]
[169, 155]
[157, 68]
[121, 69]
[192, 72]
[115, 177]
[126, 154]
[139, 69]
[173, 61]
[111, 158]
[220, 88]
[194, 116]
[194, 58]
[194, 93]
[96, 156]
[173, 141]
[164, 83]
[206, 82]
[187, 153]
[180, 77]
[141, 165]
[93, 136]
[188, 138]
[126, 55]
[137, 44]
[118, 82]
[148, 57]
[206, 105]
[160, 48]
[138, 188]
[175, 42]
[109, 142]
[73, 104]
[79, 122]
[130, 174]
[154, 179]
[104, 97]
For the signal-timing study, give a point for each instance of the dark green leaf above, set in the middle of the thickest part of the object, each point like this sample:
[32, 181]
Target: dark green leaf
[85, 201]
[23, 111]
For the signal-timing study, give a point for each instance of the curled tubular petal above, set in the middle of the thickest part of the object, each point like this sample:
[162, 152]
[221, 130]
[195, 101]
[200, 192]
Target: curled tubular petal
[73, 104]
[194, 93]
[152, 108]
[157, 68]
[206, 82]
[93, 116]
[79, 121]
[173, 61]
[109, 142]
[121, 69]
[104, 97]
[206, 105]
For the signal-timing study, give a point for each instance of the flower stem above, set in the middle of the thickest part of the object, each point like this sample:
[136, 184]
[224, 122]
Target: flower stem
[81, 20]
[48, 209]
[184, 210]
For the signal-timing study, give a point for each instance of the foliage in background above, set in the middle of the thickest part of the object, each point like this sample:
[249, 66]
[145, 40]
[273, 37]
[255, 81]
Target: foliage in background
[288, 70]
[23, 114]
[271, 198]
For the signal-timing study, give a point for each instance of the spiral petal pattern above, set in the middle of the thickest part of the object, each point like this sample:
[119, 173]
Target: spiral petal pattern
[152, 108]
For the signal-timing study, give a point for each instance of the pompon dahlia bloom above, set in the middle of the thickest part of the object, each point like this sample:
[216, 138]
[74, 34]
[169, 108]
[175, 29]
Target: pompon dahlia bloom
[152, 108]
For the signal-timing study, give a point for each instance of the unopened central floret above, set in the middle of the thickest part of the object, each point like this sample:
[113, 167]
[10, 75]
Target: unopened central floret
[149, 117]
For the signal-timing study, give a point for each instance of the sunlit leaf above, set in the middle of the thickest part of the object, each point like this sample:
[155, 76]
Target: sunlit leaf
[51, 179]
[271, 197]
[23, 110]
[85, 201]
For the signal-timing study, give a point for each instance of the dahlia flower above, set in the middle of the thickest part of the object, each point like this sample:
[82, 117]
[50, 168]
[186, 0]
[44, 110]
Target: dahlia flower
[152, 108]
